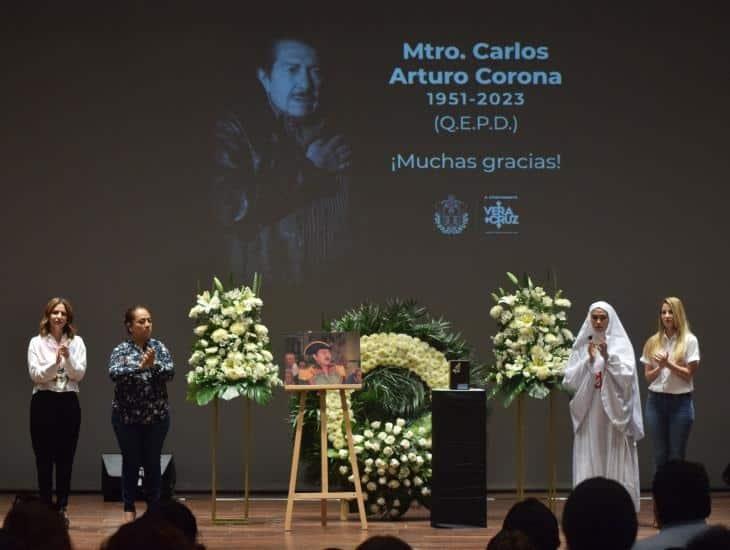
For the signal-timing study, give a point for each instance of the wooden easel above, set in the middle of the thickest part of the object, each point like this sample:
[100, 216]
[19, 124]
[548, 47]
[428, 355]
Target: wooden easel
[325, 493]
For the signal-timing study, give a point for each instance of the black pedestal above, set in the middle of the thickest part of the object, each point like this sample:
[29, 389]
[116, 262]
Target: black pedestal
[459, 483]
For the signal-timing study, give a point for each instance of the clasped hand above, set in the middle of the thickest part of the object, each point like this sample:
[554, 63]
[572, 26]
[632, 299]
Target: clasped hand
[662, 359]
[594, 348]
[62, 353]
[148, 359]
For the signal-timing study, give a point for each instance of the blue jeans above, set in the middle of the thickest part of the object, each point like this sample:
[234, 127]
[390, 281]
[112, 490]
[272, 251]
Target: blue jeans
[669, 418]
[141, 445]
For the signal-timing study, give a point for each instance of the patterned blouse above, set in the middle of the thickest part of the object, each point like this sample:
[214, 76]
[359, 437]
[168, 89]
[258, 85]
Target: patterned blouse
[140, 395]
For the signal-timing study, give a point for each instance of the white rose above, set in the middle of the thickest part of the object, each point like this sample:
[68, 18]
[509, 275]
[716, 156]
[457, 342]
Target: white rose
[200, 330]
[219, 335]
[496, 311]
[238, 328]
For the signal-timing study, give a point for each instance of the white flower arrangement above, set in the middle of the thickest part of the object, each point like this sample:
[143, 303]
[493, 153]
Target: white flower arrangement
[394, 458]
[392, 474]
[393, 350]
[231, 356]
[532, 345]
[402, 350]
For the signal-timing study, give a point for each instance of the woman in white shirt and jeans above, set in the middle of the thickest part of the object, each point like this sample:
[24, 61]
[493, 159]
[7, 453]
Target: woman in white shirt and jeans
[670, 357]
[56, 362]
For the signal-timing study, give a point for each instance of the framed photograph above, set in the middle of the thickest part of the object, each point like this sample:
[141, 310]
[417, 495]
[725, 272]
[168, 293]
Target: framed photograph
[322, 360]
[459, 374]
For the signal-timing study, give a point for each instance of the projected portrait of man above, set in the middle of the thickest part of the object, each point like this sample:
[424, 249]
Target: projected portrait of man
[281, 181]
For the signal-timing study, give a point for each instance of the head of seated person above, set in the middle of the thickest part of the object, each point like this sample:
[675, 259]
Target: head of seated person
[599, 515]
[32, 523]
[681, 493]
[535, 520]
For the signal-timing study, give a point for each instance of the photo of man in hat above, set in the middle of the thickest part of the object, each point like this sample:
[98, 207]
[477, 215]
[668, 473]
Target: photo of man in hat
[322, 359]
[323, 369]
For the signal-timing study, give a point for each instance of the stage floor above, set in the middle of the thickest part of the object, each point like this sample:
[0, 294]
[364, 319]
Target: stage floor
[92, 520]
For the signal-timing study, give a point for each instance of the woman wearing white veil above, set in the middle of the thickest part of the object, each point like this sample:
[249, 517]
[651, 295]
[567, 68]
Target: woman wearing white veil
[606, 407]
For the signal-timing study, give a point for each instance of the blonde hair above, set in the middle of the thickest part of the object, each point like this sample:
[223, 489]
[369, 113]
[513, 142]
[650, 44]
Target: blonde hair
[654, 343]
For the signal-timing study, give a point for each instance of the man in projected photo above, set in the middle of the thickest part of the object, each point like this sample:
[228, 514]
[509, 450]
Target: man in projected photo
[281, 184]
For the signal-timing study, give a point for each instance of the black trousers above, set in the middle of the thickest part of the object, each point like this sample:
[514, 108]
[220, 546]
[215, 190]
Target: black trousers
[141, 445]
[55, 419]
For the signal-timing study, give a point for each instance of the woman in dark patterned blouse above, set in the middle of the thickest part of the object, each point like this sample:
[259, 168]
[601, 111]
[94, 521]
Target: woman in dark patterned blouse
[140, 368]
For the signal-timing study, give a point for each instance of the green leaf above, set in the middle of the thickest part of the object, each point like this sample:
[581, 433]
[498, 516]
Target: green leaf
[391, 392]
[256, 284]
[205, 395]
[495, 297]
[512, 278]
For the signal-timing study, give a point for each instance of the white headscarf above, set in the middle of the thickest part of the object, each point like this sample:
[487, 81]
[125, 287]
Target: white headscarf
[619, 344]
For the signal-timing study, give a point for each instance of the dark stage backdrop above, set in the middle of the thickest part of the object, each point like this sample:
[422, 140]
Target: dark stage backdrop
[604, 134]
